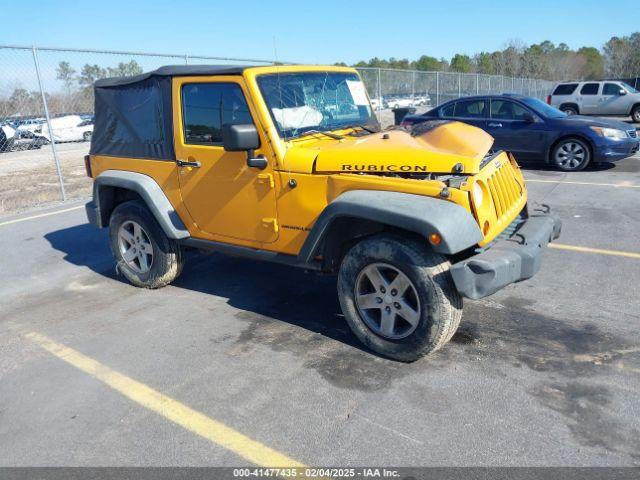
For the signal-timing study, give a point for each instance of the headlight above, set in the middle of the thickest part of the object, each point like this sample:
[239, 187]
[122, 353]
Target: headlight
[478, 195]
[610, 132]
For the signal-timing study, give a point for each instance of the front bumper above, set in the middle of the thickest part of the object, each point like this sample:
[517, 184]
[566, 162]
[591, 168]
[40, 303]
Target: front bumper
[616, 150]
[509, 260]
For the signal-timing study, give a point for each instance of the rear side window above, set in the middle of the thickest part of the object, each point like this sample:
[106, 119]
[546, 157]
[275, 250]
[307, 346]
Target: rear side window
[611, 89]
[565, 89]
[206, 107]
[448, 110]
[507, 110]
[470, 108]
[590, 89]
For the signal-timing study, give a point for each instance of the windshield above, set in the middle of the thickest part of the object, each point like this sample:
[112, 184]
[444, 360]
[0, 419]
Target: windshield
[629, 88]
[319, 101]
[542, 108]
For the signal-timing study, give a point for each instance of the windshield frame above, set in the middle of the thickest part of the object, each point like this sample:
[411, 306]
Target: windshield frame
[351, 123]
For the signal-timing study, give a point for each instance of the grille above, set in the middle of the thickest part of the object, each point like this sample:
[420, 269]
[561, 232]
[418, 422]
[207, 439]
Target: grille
[505, 190]
[633, 133]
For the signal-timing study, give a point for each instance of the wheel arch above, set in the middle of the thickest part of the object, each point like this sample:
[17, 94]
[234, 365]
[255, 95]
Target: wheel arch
[568, 136]
[569, 104]
[113, 187]
[357, 214]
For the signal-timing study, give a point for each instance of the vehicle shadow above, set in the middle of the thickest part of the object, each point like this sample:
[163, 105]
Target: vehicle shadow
[261, 291]
[545, 167]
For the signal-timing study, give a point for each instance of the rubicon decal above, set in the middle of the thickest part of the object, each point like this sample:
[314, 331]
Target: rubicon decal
[384, 168]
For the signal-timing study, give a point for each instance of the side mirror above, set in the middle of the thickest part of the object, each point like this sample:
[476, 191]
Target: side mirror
[240, 138]
[528, 117]
[243, 138]
[623, 91]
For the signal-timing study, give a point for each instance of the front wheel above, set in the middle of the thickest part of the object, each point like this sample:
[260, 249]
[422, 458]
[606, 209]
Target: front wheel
[398, 297]
[145, 256]
[635, 114]
[571, 155]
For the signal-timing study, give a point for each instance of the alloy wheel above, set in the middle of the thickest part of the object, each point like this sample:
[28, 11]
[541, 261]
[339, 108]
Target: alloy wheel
[387, 301]
[135, 247]
[570, 155]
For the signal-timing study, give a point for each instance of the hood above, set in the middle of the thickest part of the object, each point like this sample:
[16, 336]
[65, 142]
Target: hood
[438, 150]
[597, 122]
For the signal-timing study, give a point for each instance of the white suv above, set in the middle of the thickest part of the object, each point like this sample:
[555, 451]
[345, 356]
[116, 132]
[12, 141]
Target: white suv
[597, 98]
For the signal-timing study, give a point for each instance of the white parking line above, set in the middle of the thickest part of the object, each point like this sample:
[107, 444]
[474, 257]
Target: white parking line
[18, 220]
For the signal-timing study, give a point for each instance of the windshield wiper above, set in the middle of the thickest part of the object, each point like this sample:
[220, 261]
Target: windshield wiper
[328, 134]
[366, 128]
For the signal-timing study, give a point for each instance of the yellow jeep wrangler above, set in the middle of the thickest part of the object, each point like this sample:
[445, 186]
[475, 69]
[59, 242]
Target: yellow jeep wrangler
[288, 164]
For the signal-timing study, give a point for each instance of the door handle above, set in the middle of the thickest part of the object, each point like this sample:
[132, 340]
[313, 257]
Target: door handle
[188, 163]
[493, 124]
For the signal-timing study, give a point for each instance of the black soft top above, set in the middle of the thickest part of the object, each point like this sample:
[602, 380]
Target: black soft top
[173, 71]
[133, 116]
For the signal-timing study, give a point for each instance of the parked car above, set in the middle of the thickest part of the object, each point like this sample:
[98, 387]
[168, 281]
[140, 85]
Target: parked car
[400, 102]
[11, 139]
[70, 128]
[597, 98]
[535, 131]
[29, 125]
[407, 238]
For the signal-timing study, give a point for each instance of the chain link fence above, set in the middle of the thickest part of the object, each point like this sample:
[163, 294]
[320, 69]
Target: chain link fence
[46, 109]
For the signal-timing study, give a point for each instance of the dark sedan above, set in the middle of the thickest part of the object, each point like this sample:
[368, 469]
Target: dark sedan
[536, 132]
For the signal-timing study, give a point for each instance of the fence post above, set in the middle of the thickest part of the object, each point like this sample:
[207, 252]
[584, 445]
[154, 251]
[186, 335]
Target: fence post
[186, 59]
[437, 88]
[63, 193]
[477, 84]
[459, 85]
[413, 86]
[379, 90]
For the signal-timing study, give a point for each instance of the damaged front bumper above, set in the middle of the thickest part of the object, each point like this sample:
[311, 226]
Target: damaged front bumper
[508, 260]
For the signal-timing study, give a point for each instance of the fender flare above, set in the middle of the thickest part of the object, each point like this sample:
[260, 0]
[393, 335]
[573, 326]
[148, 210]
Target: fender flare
[150, 192]
[415, 213]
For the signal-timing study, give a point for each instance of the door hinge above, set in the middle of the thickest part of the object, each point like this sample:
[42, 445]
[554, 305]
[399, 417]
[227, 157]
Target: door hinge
[266, 178]
[271, 222]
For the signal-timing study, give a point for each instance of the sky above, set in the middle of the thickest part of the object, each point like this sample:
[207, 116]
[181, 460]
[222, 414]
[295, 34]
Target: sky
[323, 31]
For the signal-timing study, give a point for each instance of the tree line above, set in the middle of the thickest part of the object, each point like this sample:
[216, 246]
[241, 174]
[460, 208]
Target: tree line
[619, 57]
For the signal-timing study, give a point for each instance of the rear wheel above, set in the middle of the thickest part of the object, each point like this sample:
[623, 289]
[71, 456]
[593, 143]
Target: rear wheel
[398, 297]
[145, 256]
[569, 109]
[571, 155]
[635, 114]
[86, 136]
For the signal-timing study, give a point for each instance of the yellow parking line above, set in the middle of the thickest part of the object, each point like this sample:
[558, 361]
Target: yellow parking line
[601, 251]
[17, 220]
[171, 409]
[618, 185]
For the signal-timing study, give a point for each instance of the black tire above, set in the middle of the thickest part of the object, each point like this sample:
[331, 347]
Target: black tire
[570, 110]
[86, 136]
[440, 304]
[572, 165]
[635, 114]
[167, 258]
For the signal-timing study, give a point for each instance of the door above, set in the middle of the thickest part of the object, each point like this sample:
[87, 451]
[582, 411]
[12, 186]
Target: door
[226, 199]
[613, 102]
[512, 132]
[588, 99]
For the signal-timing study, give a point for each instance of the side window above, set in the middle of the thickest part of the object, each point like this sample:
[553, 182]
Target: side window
[470, 108]
[590, 89]
[447, 111]
[507, 110]
[206, 107]
[565, 89]
[611, 89]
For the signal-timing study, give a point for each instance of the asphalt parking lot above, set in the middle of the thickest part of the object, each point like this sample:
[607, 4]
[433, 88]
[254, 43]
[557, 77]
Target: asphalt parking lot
[242, 362]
